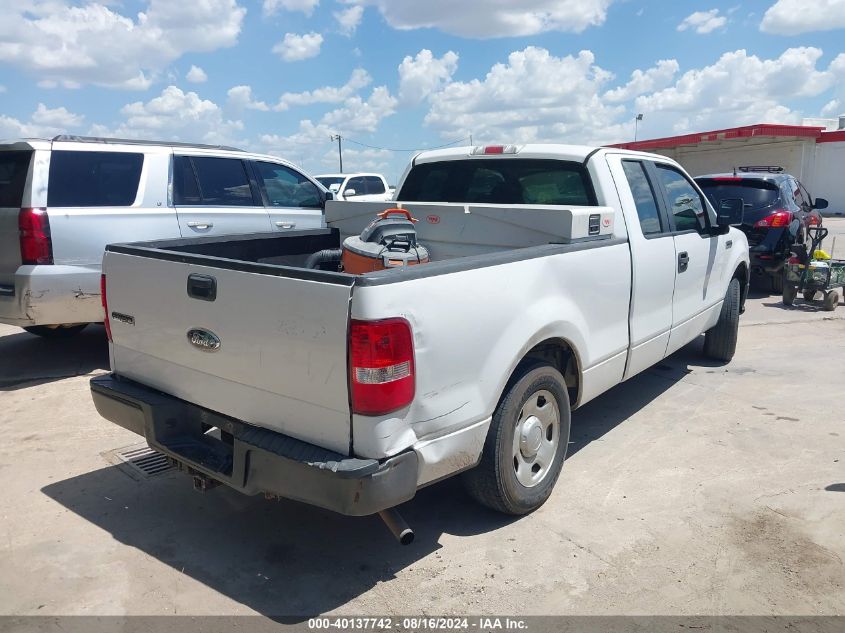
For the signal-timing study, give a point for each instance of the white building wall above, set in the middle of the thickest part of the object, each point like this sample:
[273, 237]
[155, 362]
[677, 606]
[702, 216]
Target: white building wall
[828, 177]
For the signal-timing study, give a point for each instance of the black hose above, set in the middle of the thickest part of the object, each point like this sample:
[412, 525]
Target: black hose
[326, 256]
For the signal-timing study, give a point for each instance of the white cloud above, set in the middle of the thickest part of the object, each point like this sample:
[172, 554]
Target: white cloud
[703, 22]
[534, 97]
[832, 108]
[93, 44]
[56, 117]
[239, 98]
[349, 19]
[740, 89]
[176, 115]
[358, 115]
[305, 6]
[793, 17]
[424, 74]
[2, 88]
[44, 122]
[298, 47]
[327, 94]
[641, 82]
[492, 18]
[196, 75]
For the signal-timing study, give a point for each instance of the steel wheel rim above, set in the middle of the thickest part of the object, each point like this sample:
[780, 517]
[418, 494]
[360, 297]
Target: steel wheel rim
[536, 438]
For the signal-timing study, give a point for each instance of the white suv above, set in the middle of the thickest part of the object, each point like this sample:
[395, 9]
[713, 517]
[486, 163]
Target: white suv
[357, 187]
[63, 200]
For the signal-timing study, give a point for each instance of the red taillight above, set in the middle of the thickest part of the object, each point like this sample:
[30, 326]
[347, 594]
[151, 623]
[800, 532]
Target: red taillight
[105, 303]
[494, 149]
[814, 220]
[775, 220]
[381, 366]
[34, 227]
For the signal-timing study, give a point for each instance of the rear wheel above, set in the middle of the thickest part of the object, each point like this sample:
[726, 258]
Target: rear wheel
[720, 340]
[777, 282]
[831, 301]
[526, 444]
[56, 331]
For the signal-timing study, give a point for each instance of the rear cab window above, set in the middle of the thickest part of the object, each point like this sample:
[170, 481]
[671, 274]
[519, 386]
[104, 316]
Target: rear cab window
[500, 181]
[93, 179]
[14, 168]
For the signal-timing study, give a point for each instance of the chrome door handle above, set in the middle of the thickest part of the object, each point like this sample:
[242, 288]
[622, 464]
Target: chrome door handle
[285, 225]
[200, 225]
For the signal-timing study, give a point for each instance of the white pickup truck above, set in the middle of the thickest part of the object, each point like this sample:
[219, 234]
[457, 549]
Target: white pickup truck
[556, 273]
[357, 187]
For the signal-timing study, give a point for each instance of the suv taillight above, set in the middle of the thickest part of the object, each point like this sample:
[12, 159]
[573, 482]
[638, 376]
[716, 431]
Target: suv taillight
[34, 227]
[775, 220]
[105, 303]
[381, 366]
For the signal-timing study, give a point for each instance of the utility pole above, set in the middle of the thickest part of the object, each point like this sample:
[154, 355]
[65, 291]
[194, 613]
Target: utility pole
[636, 124]
[339, 139]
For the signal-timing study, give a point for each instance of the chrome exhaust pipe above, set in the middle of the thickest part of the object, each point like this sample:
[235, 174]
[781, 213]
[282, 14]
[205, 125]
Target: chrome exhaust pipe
[397, 526]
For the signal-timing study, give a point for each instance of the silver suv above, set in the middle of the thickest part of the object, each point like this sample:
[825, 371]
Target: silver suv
[63, 200]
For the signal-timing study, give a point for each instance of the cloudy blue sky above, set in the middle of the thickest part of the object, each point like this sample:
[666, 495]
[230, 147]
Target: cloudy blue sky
[282, 76]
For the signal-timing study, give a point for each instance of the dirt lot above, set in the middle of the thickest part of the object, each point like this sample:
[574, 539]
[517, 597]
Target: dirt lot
[691, 489]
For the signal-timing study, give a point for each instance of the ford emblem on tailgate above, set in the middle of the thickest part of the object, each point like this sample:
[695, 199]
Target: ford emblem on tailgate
[204, 340]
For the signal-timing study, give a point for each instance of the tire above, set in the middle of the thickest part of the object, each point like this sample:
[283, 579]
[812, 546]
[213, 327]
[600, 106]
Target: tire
[831, 301]
[777, 283]
[789, 294]
[56, 331]
[509, 457]
[809, 295]
[720, 340]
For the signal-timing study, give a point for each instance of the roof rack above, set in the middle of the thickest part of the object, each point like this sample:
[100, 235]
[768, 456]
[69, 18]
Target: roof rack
[770, 169]
[70, 138]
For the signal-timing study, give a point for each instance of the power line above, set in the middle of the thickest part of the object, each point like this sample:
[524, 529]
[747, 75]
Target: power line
[415, 149]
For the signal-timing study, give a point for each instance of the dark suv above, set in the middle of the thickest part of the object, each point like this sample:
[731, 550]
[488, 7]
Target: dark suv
[778, 211]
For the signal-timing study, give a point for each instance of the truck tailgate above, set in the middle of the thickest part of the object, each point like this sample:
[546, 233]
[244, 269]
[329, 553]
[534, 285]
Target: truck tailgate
[281, 361]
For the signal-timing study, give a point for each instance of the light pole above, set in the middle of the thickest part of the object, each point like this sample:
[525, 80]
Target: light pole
[339, 139]
[636, 125]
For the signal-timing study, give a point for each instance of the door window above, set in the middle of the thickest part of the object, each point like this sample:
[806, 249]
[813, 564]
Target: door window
[287, 188]
[644, 197]
[685, 204]
[358, 185]
[93, 179]
[219, 182]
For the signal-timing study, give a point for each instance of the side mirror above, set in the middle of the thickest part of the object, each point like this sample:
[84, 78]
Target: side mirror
[820, 203]
[349, 193]
[731, 212]
[329, 195]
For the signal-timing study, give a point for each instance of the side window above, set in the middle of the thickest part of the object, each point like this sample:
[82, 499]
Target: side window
[685, 204]
[223, 182]
[287, 188]
[358, 185]
[374, 185]
[93, 179]
[644, 197]
[185, 188]
[805, 197]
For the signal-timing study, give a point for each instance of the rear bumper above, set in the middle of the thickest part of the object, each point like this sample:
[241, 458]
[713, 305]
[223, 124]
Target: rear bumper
[254, 460]
[51, 295]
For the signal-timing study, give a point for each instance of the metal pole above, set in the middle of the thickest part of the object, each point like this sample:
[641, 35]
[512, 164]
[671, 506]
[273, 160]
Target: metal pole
[339, 139]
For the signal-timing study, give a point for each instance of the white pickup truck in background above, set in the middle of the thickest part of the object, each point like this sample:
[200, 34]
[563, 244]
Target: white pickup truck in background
[357, 187]
[555, 273]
